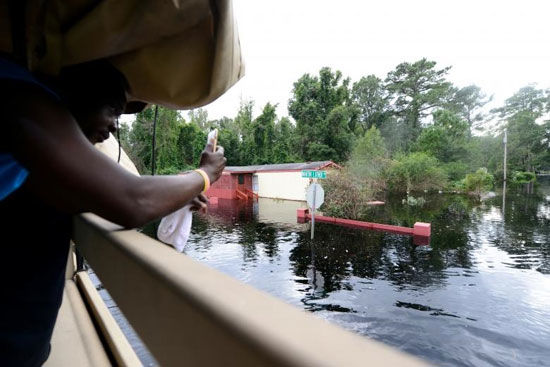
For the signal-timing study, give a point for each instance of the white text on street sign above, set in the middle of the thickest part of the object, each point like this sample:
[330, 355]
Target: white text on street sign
[314, 174]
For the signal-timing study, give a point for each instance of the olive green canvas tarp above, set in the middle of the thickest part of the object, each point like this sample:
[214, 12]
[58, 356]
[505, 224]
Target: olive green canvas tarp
[176, 53]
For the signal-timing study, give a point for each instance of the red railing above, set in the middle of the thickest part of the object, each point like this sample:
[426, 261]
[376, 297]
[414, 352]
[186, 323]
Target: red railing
[251, 193]
[246, 194]
[241, 195]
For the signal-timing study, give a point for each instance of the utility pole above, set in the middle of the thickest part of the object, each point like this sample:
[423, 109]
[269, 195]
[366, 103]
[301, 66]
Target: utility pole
[505, 141]
[153, 153]
[313, 212]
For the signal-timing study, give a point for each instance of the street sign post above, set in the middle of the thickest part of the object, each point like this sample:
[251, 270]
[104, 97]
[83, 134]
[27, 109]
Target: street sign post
[315, 197]
[314, 174]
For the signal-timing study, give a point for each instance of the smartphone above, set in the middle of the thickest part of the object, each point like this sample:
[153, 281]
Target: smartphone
[213, 139]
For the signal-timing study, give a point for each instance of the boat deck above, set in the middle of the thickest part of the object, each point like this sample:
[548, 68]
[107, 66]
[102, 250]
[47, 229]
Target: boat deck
[75, 341]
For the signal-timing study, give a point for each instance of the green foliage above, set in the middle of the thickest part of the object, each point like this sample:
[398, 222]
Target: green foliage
[243, 124]
[523, 177]
[412, 201]
[528, 137]
[455, 171]
[319, 152]
[191, 141]
[263, 134]
[446, 138]
[479, 182]
[525, 141]
[370, 146]
[417, 89]
[367, 125]
[262, 140]
[485, 151]
[467, 103]
[178, 144]
[283, 149]
[140, 139]
[527, 99]
[372, 99]
[416, 172]
[199, 117]
[229, 139]
[171, 170]
[369, 161]
[324, 116]
[397, 135]
[124, 135]
[140, 142]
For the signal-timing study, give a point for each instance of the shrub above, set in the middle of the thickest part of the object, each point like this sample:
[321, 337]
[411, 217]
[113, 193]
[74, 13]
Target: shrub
[519, 177]
[412, 201]
[479, 182]
[416, 172]
[344, 196]
[455, 170]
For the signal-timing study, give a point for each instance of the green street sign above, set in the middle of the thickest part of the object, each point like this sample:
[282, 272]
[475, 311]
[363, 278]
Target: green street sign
[314, 174]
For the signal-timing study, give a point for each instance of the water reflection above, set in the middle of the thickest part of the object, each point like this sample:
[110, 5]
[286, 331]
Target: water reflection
[478, 294]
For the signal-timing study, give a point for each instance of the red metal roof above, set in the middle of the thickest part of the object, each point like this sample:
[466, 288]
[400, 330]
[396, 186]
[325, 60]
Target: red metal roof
[282, 167]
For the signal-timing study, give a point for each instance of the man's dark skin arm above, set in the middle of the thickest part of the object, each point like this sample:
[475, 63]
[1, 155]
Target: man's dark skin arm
[69, 173]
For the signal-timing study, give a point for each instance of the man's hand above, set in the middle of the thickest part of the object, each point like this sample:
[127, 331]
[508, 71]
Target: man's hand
[212, 162]
[199, 203]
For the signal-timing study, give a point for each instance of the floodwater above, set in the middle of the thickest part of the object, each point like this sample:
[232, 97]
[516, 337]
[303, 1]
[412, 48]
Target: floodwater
[477, 295]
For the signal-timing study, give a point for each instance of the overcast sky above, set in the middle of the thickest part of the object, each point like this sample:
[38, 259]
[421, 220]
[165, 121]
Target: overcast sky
[500, 46]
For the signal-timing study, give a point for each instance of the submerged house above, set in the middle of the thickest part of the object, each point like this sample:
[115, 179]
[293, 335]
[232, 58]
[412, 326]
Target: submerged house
[276, 181]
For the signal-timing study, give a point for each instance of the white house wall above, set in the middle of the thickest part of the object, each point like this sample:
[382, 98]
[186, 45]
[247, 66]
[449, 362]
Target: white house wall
[282, 185]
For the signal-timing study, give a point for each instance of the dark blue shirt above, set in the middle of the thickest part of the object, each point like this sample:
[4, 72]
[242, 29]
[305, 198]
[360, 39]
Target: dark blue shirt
[12, 173]
[33, 255]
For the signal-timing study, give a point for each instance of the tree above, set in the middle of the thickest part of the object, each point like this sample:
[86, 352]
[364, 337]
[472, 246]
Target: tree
[446, 138]
[337, 134]
[369, 161]
[371, 98]
[397, 134]
[169, 123]
[525, 141]
[321, 107]
[263, 131]
[141, 141]
[527, 99]
[283, 150]
[228, 137]
[467, 102]
[124, 136]
[199, 116]
[416, 89]
[528, 139]
[190, 143]
[485, 151]
[243, 122]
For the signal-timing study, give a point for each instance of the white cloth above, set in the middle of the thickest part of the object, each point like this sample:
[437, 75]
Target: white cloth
[174, 229]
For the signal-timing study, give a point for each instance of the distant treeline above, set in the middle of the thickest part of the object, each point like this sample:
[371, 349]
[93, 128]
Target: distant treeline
[411, 130]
